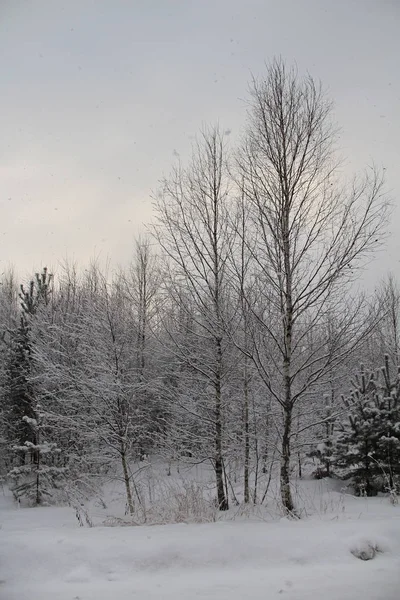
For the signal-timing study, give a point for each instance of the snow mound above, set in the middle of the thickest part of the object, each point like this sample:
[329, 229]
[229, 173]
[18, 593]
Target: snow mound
[367, 549]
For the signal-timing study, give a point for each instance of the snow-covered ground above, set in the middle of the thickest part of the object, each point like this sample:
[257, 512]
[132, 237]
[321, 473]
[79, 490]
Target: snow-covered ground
[45, 555]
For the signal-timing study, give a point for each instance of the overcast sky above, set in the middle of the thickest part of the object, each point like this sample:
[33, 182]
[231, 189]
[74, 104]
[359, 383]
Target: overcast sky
[98, 96]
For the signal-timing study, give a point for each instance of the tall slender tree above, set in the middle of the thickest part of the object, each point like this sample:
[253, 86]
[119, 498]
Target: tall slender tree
[193, 230]
[311, 233]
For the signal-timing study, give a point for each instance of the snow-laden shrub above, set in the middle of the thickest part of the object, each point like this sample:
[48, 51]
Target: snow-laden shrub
[179, 501]
[164, 500]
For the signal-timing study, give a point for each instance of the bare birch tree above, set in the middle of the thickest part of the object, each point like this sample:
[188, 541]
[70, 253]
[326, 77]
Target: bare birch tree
[141, 284]
[193, 231]
[311, 232]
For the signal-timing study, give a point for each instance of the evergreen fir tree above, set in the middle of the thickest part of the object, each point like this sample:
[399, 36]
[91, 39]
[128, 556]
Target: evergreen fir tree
[324, 450]
[18, 394]
[388, 450]
[368, 447]
[357, 443]
[40, 474]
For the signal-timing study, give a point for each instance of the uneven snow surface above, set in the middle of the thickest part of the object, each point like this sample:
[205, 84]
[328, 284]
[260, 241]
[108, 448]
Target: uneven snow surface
[44, 555]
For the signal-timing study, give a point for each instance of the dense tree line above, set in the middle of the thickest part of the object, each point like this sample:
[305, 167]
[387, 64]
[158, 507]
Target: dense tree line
[233, 335]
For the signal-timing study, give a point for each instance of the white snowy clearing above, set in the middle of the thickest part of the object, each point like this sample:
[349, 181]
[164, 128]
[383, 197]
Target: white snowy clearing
[45, 555]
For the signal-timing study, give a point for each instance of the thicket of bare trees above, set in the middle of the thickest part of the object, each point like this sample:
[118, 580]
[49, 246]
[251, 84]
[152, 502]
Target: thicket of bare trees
[231, 337]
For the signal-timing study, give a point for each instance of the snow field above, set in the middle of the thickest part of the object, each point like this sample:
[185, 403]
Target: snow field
[45, 555]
